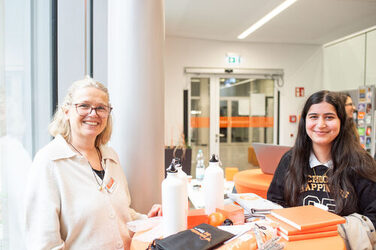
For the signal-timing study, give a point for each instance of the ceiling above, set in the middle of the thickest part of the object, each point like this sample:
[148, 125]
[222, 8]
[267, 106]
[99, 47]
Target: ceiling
[304, 22]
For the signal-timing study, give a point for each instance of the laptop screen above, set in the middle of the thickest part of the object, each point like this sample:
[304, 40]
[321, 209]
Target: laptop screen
[269, 155]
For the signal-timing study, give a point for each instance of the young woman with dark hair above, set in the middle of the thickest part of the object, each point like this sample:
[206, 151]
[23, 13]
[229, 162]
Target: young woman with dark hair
[326, 165]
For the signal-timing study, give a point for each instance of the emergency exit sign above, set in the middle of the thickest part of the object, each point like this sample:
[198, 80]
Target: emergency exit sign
[232, 59]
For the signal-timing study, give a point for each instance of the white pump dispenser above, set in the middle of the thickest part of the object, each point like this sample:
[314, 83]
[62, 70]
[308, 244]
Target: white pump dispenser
[174, 203]
[213, 186]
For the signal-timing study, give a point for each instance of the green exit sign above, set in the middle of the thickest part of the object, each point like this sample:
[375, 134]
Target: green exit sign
[232, 59]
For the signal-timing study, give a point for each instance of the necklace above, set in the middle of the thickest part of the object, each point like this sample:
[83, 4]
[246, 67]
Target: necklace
[99, 182]
[324, 174]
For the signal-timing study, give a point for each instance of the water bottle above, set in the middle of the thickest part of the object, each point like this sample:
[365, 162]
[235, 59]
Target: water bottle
[184, 177]
[213, 186]
[173, 203]
[200, 167]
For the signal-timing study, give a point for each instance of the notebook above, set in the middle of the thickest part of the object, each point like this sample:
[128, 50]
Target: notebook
[269, 155]
[289, 230]
[307, 217]
[307, 236]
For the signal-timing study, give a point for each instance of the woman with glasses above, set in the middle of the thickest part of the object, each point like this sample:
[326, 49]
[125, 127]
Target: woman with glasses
[350, 110]
[349, 105]
[77, 193]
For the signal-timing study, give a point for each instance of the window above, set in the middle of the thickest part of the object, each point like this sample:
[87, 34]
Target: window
[25, 104]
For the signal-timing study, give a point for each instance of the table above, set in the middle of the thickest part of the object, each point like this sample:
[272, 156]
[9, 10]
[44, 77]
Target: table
[259, 183]
[326, 243]
[252, 181]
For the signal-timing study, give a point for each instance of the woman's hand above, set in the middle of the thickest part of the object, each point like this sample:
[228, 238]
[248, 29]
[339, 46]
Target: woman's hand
[156, 210]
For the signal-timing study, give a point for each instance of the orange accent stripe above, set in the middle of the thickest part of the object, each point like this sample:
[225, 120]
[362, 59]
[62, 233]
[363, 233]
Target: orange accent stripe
[234, 122]
[200, 122]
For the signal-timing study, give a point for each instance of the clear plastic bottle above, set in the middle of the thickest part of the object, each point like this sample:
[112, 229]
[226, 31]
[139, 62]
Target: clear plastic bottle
[213, 186]
[200, 166]
[174, 203]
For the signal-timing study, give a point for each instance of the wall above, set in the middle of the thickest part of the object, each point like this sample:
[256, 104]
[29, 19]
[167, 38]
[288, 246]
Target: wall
[302, 65]
[344, 64]
[371, 58]
[351, 62]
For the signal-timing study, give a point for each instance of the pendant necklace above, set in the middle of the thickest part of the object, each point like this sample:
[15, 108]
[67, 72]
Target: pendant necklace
[323, 175]
[99, 182]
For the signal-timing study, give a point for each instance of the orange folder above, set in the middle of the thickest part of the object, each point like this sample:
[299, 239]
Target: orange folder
[290, 230]
[307, 217]
[307, 236]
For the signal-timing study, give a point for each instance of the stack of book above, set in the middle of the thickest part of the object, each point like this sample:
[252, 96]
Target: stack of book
[305, 222]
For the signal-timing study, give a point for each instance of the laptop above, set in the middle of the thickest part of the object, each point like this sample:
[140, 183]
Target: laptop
[269, 155]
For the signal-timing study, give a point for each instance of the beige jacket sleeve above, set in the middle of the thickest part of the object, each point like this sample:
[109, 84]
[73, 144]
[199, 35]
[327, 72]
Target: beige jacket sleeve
[358, 232]
[42, 207]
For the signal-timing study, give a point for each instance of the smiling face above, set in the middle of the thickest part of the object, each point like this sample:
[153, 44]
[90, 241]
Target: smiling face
[90, 125]
[322, 124]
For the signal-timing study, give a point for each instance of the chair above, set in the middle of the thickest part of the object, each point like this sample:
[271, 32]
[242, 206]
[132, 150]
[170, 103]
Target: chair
[252, 181]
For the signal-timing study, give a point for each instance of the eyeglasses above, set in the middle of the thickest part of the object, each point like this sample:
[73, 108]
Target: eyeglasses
[84, 109]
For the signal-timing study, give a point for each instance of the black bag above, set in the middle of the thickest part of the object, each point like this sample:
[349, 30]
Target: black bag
[200, 237]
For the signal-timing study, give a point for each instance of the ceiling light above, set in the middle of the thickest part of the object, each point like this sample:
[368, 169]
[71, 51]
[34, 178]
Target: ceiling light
[266, 18]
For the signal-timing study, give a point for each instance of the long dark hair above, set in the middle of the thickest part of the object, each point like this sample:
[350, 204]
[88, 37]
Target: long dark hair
[350, 121]
[347, 155]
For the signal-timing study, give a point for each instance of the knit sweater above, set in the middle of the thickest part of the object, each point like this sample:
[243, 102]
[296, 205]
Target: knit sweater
[65, 209]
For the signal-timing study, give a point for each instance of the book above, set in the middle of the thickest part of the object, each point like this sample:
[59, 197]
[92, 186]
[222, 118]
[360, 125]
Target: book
[253, 203]
[307, 236]
[307, 217]
[290, 230]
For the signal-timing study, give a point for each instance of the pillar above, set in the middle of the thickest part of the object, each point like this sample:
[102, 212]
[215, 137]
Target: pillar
[136, 86]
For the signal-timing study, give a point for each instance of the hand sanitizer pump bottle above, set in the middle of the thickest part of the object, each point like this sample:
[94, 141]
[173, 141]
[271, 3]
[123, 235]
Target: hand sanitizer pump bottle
[213, 186]
[173, 202]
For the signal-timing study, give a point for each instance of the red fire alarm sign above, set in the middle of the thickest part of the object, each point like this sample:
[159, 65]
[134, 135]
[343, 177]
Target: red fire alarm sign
[299, 91]
[292, 118]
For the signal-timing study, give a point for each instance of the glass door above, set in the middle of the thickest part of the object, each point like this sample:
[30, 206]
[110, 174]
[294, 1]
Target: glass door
[246, 116]
[227, 114]
[199, 132]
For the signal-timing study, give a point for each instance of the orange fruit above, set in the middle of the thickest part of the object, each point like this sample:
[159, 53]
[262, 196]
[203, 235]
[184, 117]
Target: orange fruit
[216, 219]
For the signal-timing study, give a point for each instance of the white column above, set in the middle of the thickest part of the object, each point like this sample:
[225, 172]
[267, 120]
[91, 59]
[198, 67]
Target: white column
[136, 85]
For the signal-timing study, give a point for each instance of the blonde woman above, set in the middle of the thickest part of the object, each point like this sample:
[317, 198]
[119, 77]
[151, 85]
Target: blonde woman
[77, 194]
